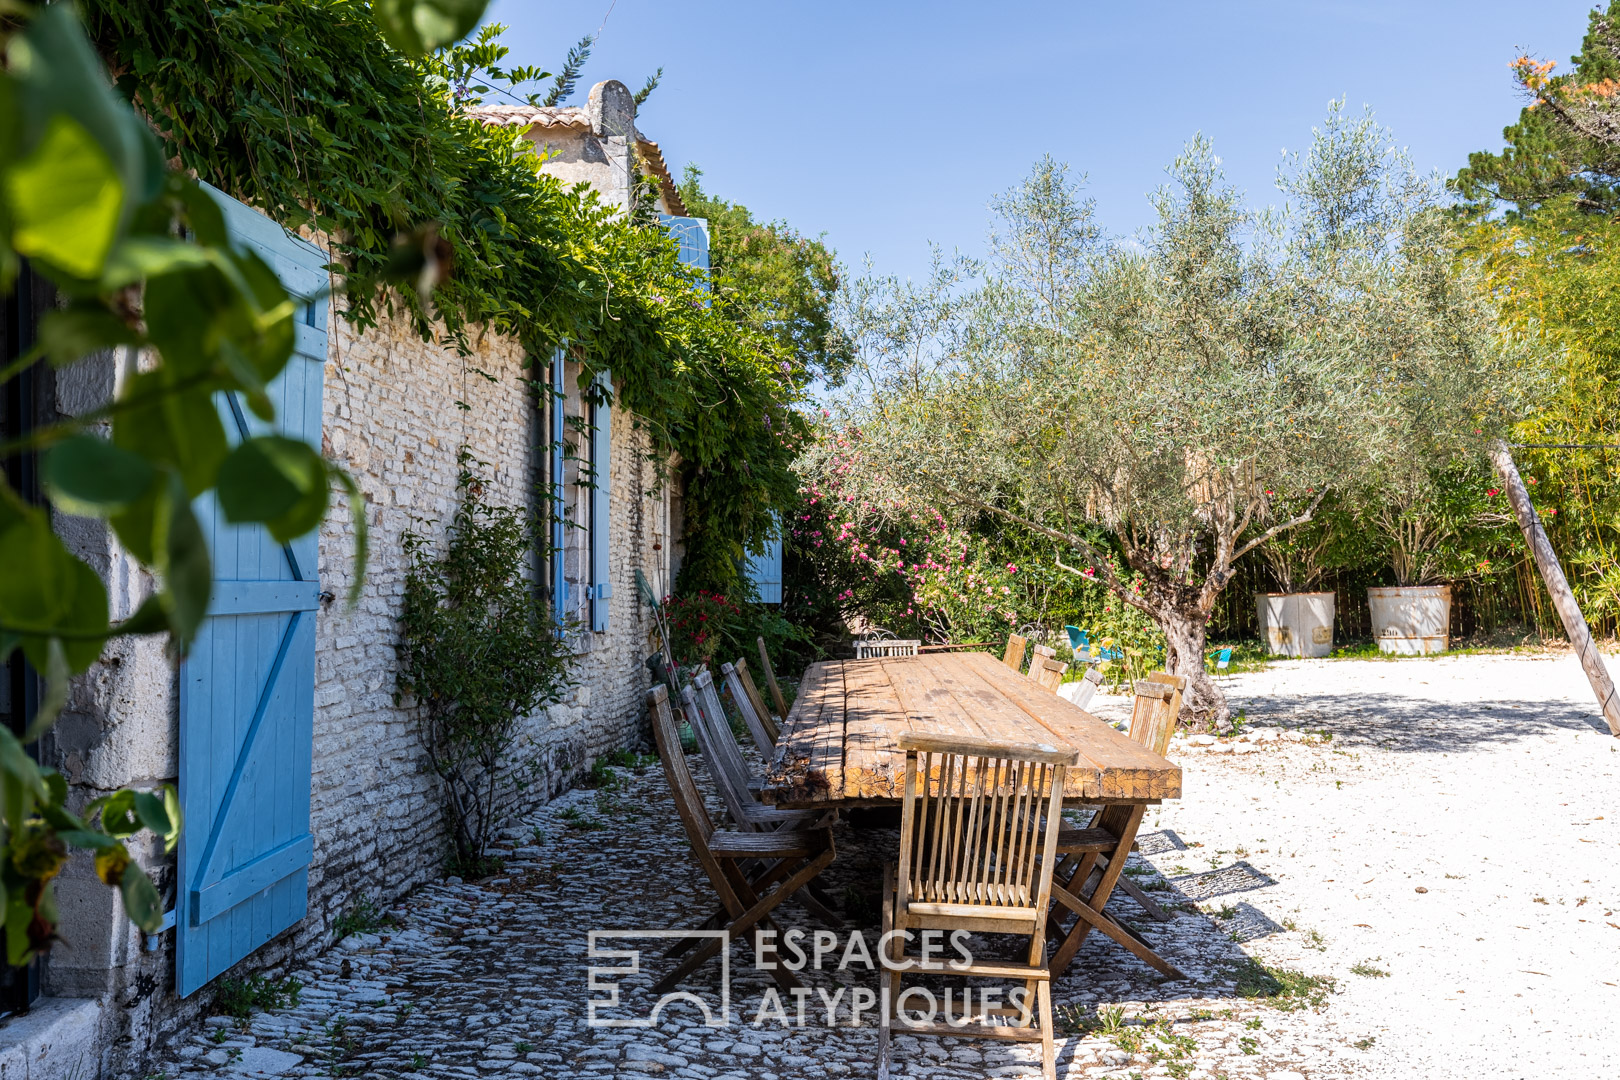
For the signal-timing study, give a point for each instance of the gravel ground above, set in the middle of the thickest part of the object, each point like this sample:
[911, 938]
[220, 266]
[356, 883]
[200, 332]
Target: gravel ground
[1460, 831]
[1400, 869]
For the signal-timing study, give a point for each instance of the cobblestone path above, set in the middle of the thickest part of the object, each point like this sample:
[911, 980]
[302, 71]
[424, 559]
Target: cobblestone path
[489, 978]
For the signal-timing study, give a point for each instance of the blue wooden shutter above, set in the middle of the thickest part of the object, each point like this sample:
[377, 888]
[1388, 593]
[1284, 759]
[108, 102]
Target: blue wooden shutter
[559, 562]
[247, 690]
[691, 237]
[765, 569]
[601, 481]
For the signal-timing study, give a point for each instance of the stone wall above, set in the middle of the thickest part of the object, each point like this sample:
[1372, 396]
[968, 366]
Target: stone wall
[393, 417]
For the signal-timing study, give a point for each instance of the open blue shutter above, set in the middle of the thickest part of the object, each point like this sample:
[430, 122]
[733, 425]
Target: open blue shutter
[601, 481]
[247, 690]
[765, 569]
[559, 567]
[691, 237]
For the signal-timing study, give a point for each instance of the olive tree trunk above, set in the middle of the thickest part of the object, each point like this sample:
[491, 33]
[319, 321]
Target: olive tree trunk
[1563, 598]
[1185, 633]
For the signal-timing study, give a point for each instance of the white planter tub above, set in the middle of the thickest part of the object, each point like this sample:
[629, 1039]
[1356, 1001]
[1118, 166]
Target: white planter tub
[1296, 624]
[1412, 620]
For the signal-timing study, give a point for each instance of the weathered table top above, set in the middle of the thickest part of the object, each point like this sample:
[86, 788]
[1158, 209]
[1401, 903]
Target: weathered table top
[840, 743]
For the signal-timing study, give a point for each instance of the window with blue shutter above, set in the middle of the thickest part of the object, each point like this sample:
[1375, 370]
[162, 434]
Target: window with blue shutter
[691, 236]
[559, 497]
[601, 484]
[247, 689]
[765, 569]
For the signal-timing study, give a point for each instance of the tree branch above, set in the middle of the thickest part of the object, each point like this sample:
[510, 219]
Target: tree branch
[1281, 527]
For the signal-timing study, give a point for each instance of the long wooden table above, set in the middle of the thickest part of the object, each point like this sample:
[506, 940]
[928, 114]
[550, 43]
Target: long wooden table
[840, 747]
[840, 744]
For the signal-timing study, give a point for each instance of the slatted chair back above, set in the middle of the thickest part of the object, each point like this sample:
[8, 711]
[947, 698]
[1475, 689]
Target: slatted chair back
[688, 801]
[770, 680]
[1014, 656]
[979, 827]
[718, 746]
[761, 725]
[1048, 671]
[1158, 704]
[886, 647]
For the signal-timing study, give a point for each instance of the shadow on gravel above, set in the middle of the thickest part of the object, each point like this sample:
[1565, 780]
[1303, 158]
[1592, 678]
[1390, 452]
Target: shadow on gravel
[1403, 723]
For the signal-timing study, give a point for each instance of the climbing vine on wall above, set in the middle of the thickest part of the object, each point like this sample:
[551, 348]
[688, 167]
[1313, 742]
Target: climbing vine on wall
[301, 108]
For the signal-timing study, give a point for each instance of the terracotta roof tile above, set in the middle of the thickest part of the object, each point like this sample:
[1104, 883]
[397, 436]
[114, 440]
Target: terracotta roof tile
[541, 116]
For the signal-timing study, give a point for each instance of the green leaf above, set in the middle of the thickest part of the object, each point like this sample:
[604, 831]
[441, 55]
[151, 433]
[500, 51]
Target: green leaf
[141, 901]
[69, 333]
[118, 814]
[137, 529]
[90, 476]
[58, 72]
[169, 427]
[19, 914]
[36, 589]
[417, 27]
[280, 481]
[171, 807]
[137, 258]
[150, 618]
[88, 839]
[56, 787]
[66, 200]
[150, 810]
[86, 626]
[182, 559]
[23, 783]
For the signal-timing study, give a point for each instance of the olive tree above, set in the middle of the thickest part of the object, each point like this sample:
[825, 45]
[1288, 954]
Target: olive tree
[1183, 396]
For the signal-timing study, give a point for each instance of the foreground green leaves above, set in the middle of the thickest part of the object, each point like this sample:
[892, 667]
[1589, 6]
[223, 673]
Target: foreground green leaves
[198, 324]
[417, 27]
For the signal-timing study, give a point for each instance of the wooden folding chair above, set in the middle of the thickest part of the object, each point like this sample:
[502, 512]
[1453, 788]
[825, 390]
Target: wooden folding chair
[738, 787]
[1102, 847]
[1047, 670]
[978, 842]
[761, 725]
[1014, 656]
[787, 858]
[770, 680]
[737, 783]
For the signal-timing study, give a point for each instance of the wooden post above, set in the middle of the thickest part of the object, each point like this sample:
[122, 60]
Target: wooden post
[1575, 628]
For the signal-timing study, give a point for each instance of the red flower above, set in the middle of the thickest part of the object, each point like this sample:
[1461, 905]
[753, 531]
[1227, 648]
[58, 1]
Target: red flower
[1493, 493]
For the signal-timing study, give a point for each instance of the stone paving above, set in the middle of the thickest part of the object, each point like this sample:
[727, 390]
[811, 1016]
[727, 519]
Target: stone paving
[489, 978]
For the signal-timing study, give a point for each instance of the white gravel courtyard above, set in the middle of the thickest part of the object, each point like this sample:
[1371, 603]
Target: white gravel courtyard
[1425, 852]
[1461, 831]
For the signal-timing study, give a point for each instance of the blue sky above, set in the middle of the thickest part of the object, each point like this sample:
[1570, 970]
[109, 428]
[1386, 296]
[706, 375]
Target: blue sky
[886, 125]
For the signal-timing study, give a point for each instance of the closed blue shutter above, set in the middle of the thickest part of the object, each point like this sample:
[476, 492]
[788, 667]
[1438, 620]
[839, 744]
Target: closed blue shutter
[601, 482]
[765, 569]
[247, 690]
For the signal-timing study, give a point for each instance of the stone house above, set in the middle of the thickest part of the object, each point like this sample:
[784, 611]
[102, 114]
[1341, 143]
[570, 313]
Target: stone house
[305, 784]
